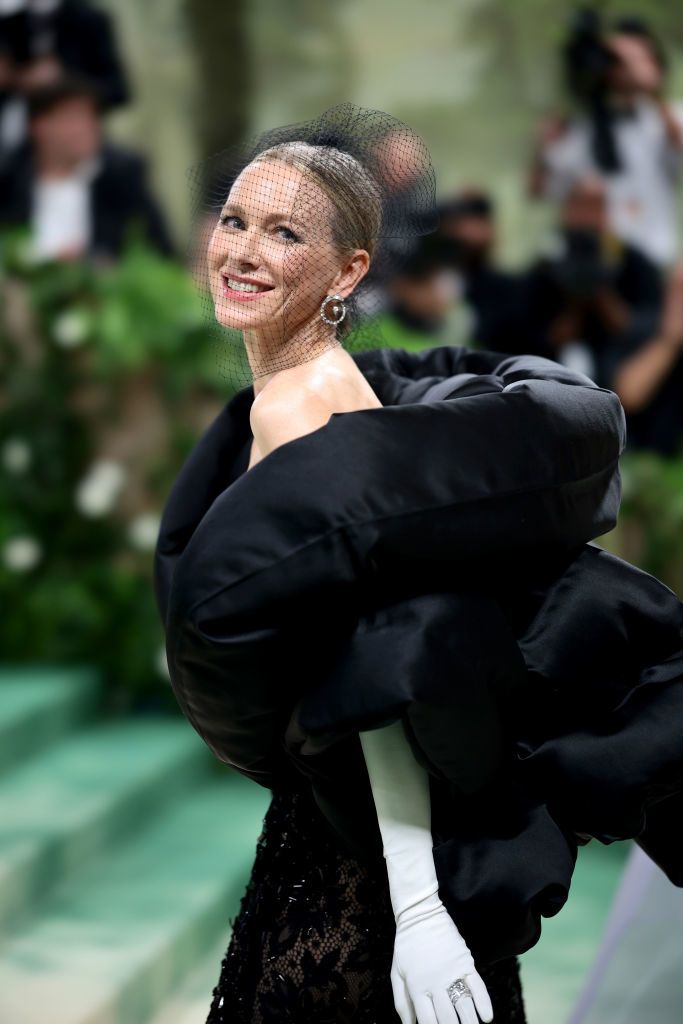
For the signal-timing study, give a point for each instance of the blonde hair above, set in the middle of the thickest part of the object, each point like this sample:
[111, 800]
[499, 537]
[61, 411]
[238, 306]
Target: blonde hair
[353, 191]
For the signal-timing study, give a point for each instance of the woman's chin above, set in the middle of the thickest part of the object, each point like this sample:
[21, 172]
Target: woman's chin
[237, 320]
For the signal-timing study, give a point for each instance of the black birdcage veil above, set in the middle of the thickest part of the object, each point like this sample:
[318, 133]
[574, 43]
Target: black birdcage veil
[296, 230]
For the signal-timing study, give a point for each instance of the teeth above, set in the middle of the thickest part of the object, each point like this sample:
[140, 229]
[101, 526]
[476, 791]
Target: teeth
[244, 286]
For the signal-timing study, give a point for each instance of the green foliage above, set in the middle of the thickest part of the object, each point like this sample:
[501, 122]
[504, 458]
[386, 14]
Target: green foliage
[649, 532]
[75, 569]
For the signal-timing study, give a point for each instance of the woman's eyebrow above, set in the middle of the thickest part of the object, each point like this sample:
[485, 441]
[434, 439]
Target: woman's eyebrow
[281, 215]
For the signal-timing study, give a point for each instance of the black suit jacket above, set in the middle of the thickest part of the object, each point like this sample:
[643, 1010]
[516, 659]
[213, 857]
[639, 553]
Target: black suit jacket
[119, 195]
[80, 35]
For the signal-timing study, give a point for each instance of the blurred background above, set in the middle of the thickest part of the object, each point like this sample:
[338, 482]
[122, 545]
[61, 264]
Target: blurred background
[557, 138]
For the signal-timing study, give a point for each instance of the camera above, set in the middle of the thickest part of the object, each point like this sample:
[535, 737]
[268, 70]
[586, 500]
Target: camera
[586, 56]
[581, 267]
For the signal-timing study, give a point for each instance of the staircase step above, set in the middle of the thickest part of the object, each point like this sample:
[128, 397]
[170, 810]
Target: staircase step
[110, 946]
[191, 1001]
[69, 802]
[38, 705]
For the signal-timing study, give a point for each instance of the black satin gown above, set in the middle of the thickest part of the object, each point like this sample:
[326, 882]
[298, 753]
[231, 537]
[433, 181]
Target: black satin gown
[313, 940]
[428, 561]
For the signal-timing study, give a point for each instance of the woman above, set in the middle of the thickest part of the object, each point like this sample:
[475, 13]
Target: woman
[358, 569]
[295, 400]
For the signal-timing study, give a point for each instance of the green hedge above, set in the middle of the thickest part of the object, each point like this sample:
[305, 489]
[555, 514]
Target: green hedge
[75, 570]
[649, 531]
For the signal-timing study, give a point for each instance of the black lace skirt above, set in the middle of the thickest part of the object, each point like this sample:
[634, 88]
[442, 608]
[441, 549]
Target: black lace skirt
[313, 940]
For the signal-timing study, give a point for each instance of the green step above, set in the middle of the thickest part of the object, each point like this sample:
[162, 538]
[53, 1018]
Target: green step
[111, 945]
[191, 1001]
[69, 802]
[554, 971]
[38, 705]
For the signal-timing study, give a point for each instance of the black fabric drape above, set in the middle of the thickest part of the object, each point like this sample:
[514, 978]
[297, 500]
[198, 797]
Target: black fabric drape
[429, 561]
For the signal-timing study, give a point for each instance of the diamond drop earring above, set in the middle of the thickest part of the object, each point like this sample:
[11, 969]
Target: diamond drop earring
[339, 308]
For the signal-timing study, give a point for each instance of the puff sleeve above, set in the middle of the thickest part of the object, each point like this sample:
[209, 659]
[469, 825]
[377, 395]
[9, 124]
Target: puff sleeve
[262, 581]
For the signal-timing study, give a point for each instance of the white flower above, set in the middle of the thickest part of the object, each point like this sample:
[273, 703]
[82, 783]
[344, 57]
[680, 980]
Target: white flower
[70, 328]
[144, 530]
[16, 455]
[100, 487]
[161, 663]
[21, 553]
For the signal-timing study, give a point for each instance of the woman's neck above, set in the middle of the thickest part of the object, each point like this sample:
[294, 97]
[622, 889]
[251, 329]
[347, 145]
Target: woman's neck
[264, 352]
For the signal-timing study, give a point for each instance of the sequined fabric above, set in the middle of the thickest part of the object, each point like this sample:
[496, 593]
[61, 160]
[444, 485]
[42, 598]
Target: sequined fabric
[312, 942]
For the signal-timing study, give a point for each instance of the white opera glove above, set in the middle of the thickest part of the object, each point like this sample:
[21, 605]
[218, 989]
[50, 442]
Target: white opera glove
[430, 954]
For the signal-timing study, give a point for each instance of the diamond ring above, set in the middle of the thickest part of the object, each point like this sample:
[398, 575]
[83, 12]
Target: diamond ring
[458, 989]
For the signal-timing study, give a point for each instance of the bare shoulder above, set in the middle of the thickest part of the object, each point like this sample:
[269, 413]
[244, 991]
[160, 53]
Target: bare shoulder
[287, 408]
[302, 399]
[291, 396]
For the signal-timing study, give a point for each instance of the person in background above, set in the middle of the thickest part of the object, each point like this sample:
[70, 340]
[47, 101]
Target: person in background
[40, 40]
[627, 130]
[495, 297]
[421, 301]
[591, 289]
[647, 374]
[79, 192]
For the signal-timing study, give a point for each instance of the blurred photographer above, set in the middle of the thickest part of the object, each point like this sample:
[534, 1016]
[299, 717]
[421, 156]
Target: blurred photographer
[647, 374]
[591, 288]
[625, 130]
[42, 40]
[421, 307]
[469, 235]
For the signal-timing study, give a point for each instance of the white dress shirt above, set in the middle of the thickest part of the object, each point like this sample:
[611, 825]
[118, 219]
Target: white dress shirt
[641, 196]
[61, 214]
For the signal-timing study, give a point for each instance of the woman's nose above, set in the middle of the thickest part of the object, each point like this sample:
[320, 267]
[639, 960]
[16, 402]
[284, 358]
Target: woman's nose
[246, 248]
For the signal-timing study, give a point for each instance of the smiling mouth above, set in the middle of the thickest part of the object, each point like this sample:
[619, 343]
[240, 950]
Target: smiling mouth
[230, 286]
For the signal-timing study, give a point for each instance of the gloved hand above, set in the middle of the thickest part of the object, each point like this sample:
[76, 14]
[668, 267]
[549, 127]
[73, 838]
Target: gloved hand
[429, 952]
[429, 955]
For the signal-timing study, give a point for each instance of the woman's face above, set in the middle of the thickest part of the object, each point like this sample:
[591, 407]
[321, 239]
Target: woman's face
[270, 259]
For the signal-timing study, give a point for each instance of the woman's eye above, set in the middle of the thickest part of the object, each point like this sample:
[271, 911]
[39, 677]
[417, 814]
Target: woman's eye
[291, 236]
[225, 218]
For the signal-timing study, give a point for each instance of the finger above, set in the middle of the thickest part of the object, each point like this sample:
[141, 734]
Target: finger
[482, 999]
[466, 1011]
[426, 1014]
[445, 1010]
[402, 1001]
